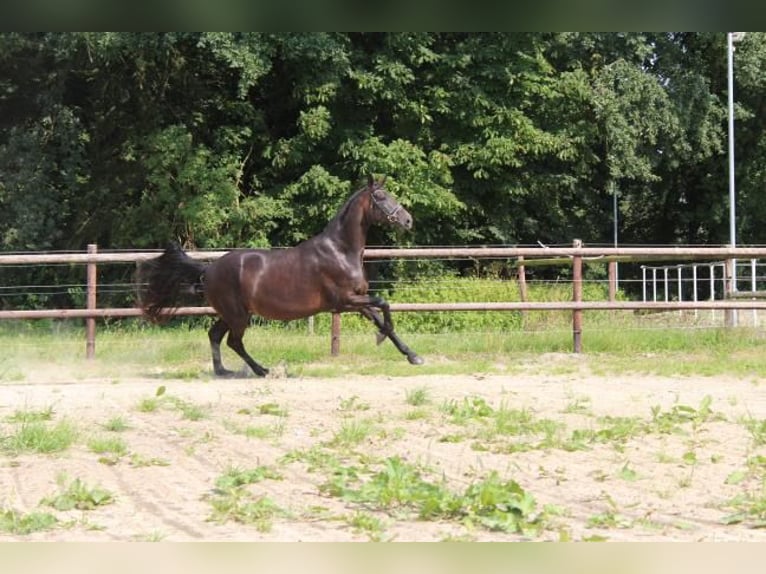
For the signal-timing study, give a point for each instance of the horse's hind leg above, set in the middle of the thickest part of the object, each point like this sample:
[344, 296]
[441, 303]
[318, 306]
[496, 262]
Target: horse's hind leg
[387, 330]
[216, 334]
[234, 341]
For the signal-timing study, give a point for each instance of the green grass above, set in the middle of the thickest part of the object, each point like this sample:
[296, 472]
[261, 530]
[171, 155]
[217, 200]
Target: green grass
[39, 437]
[272, 409]
[353, 432]
[757, 430]
[108, 444]
[316, 459]
[367, 523]
[353, 404]
[612, 342]
[139, 460]
[31, 416]
[148, 405]
[189, 411]
[116, 424]
[465, 411]
[418, 396]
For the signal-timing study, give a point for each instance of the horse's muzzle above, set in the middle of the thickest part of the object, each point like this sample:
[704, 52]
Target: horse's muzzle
[404, 219]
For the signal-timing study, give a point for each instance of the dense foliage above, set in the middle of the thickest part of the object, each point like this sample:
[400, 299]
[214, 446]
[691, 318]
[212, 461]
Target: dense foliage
[216, 140]
[248, 139]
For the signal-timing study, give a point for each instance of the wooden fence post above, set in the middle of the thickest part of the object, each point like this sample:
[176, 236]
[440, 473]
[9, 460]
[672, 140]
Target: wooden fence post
[729, 288]
[90, 303]
[522, 285]
[522, 279]
[577, 297]
[335, 336]
[612, 273]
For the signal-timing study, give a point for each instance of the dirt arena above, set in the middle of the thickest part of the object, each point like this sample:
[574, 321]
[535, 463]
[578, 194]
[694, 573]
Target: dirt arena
[623, 458]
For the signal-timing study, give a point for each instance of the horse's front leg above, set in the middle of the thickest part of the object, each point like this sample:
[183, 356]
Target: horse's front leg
[383, 331]
[386, 326]
[387, 330]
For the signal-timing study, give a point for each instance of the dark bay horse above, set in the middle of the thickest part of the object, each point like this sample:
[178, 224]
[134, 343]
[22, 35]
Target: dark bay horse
[324, 273]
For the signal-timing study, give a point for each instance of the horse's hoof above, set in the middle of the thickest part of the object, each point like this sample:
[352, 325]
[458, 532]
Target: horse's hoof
[415, 359]
[225, 374]
[380, 336]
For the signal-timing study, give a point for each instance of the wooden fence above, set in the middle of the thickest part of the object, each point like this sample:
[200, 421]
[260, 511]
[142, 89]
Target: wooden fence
[575, 256]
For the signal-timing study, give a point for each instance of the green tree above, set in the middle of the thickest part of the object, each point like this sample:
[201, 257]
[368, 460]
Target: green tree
[244, 139]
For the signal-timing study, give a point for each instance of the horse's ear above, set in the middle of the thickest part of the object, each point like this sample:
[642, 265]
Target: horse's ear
[370, 180]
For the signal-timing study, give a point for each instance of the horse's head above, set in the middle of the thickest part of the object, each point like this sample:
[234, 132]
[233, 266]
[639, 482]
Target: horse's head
[385, 208]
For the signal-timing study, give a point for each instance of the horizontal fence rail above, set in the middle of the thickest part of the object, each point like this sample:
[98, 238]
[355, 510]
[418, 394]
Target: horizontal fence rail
[523, 256]
[736, 303]
[600, 253]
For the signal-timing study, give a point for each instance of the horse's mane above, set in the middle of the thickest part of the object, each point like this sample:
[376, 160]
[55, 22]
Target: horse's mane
[343, 211]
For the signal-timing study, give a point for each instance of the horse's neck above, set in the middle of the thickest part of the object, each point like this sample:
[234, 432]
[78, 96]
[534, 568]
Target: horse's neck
[349, 228]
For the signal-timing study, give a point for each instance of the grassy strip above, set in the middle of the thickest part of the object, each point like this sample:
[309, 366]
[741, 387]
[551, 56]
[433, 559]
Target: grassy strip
[623, 346]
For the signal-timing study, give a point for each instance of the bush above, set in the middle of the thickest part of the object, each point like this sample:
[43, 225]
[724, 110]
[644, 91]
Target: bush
[470, 290]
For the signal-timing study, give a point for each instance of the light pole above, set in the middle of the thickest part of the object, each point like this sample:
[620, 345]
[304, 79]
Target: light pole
[731, 38]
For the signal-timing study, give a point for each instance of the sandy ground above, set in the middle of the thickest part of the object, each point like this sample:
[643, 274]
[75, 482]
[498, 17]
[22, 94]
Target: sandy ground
[676, 485]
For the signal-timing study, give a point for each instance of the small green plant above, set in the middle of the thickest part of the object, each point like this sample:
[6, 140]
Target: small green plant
[579, 405]
[418, 396]
[671, 421]
[501, 505]
[31, 416]
[14, 522]
[137, 460]
[462, 412]
[39, 437]
[417, 414]
[353, 404]
[367, 523]
[316, 458]
[153, 536]
[522, 422]
[116, 424]
[616, 431]
[111, 445]
[493, 503]
[189, 411]
[239, 505]
[453, 438]
[627, 473]
[78, 495]
[610, 518]
[263, 432]
[750, 505]
[352, 432]
[148, 405]
[750, 509]
[152, 404]
[234, 477]
[757, 430]
[272, 409]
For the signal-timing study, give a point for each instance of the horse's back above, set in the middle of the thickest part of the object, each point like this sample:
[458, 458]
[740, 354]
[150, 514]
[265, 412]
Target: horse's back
[280, 284]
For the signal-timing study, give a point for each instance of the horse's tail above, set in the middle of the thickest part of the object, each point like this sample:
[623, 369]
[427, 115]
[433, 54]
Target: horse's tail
[162, 281]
